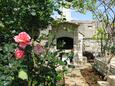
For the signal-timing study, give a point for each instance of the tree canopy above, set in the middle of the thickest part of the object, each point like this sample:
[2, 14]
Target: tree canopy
[24, 15]
[103, 12]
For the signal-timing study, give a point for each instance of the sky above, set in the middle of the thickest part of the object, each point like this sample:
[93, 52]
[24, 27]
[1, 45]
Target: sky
[79, 16]
[76, 15]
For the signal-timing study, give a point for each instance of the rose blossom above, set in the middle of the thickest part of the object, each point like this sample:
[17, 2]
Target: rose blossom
[22, 37]
[38, 49]
[23, 45]
[19, 53]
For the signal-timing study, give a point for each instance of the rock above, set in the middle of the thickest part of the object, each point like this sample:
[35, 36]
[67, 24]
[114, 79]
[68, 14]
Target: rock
[103, 83]
[111, 80]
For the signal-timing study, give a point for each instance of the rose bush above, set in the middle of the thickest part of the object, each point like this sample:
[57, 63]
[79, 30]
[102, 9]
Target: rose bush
[39, 63]
[17, 16]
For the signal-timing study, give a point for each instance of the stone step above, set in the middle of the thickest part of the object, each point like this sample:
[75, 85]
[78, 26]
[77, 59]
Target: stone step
[103, 83]
[111, 80]
[71, 84]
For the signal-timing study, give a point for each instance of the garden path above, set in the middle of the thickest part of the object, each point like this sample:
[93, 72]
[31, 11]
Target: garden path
[74, 76]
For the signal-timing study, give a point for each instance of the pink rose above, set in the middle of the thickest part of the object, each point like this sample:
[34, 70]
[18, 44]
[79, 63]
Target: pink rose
[38, 49]
[19, 53]
[22, 37]
[23, 45]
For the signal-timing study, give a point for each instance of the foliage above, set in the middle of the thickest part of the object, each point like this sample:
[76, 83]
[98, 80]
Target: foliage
[104, 14]
[29, 16]
[8, 66]
[102, 11]
[112, 49]
[24, 15]
[100, 34]
[102, 37]
[32, 70]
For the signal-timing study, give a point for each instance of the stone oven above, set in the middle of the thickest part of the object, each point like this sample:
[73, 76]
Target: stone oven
[66, 36]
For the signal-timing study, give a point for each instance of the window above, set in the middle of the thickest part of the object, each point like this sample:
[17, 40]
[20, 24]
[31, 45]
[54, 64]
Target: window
[89, 27]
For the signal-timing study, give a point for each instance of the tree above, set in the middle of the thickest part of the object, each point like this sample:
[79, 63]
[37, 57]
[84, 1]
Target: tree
[24, 15]
[102, 10]
[102, 38]
[16, 16]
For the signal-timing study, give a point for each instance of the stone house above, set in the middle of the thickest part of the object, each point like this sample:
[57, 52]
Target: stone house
[75, 35]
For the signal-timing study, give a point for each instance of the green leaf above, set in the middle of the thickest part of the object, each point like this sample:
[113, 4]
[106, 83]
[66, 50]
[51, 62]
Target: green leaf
[23, 75]
[1, 24]
[59, 76]
[61, 62]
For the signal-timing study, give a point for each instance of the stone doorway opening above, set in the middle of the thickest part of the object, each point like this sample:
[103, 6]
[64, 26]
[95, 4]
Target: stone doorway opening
[65, 43]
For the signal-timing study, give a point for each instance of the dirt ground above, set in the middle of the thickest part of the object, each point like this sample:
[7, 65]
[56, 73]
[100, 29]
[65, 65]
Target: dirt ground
[83, 75]
[91, 76]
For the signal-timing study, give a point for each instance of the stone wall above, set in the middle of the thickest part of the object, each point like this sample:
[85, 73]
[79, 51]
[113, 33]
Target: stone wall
[88, 29]
[100, 64]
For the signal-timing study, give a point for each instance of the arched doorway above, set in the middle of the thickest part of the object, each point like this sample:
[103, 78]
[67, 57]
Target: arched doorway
[64, 43]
